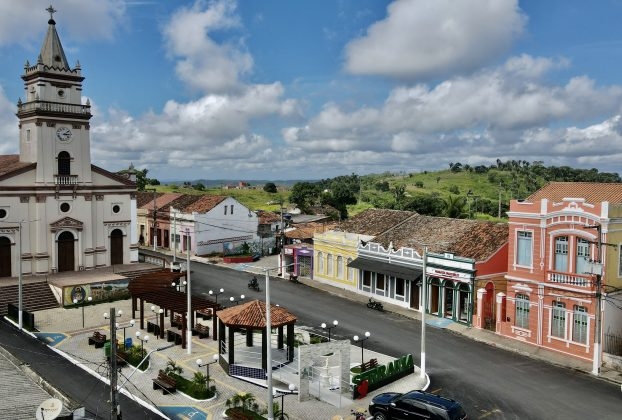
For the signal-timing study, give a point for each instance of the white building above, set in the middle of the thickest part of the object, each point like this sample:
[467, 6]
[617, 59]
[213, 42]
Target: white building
[215, 225]
[72, 215]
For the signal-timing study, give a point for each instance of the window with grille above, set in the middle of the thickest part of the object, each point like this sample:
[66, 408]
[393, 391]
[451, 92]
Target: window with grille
[523, 248]
[579, 324]
[558, 320]
[522, 311]
[561, 253]
[340, 267]
[582, 265]
[350, 270]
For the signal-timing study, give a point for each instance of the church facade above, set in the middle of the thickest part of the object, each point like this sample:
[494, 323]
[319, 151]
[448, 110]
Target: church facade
[59, 212]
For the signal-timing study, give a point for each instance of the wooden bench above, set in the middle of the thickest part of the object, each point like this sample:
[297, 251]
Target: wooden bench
[201, 329]
[369, 365]
[154, 328]
[173, 336]
[178, 321]
[205, 313]
[98, 339]
[164, 382]
[236, 415]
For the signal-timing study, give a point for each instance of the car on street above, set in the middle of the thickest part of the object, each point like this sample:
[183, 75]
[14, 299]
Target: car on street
[415, 405]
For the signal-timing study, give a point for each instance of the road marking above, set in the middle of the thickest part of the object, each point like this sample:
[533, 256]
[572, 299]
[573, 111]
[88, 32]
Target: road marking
[490, 413]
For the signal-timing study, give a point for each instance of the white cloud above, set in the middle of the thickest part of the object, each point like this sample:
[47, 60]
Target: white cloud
[422, 39]
[205, 64]
[21, 21]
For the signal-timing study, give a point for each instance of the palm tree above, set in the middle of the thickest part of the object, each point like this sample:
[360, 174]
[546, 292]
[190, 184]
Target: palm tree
[454, 207]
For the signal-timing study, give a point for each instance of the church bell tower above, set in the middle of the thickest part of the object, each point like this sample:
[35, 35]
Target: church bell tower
[53, 122]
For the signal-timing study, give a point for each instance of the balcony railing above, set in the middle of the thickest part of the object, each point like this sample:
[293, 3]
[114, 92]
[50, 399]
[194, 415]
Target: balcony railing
[65, 179]
[54, 107]
[570, 279]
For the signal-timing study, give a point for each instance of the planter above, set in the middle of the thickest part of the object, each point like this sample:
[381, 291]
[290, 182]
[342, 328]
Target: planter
[234, 259]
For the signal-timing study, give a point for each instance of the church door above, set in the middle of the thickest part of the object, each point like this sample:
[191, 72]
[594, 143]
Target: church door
[5, 257]
[65, 252]
[116, 247]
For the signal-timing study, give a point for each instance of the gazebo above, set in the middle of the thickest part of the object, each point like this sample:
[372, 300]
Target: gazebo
[250, 317]
[156, 288]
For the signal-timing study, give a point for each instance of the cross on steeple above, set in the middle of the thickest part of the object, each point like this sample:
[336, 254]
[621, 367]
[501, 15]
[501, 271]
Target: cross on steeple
[51, 10]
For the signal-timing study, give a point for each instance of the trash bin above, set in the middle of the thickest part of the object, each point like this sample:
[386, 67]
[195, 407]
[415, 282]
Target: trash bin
[128, 343]
[107, 348]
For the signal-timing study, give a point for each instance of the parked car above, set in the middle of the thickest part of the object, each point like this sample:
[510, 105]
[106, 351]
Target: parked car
[415, 405]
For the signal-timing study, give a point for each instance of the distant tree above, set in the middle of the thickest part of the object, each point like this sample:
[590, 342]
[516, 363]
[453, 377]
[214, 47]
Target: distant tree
[456, 167]
[382, 186]
[399, 193]
[454, 189]
[454, 207]
[269, 187]
[142, 181]
[199, 186]
[419, 184]
[438, 179]
[428, 204]
[304, 194]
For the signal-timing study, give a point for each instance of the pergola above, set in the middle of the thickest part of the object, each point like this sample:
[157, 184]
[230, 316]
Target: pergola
[156, 289]
[251, 316]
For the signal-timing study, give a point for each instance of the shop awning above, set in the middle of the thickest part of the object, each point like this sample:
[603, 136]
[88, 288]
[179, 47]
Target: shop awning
[400, 271]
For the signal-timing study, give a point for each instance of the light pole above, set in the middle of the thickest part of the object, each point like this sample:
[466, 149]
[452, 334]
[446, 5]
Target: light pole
[325, 327]
[200, 364]
[215, 294]
[189, 296]
[178, 285]
[158, 314]
[143, 339]
[119, 327]
[362, 340]
[75, 302]
[424, 298]
[292, 388]
[235, 301]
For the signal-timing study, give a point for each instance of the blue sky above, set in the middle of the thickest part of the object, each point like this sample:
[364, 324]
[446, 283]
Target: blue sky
[308, 89]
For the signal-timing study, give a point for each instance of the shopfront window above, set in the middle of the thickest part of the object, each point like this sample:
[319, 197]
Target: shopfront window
[449, 299]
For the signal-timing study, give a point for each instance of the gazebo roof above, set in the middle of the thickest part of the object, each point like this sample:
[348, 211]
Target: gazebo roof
[253, 315]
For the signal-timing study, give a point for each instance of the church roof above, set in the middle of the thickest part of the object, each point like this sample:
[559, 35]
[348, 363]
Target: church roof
[11, 163]
[52, 53]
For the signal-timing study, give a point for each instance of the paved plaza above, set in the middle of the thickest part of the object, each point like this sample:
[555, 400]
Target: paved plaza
[62, 329]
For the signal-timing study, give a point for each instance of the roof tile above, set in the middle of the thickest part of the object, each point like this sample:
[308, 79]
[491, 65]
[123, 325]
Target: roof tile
[593, 192]
[253, 315]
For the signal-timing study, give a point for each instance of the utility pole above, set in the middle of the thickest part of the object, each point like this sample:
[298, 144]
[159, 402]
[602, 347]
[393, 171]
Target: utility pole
[115, 409]
[282, 268]
[499, 200]
[598, 296]
[155, 231]
[174, 235]
[424, 298]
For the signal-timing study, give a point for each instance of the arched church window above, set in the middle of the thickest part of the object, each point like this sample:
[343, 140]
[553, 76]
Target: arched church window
[64, 163]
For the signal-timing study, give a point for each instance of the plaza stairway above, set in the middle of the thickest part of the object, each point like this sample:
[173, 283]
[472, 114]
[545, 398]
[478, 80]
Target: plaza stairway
[36, 296]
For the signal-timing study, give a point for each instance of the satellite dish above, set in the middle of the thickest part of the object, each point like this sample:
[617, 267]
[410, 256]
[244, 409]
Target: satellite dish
[49, 409]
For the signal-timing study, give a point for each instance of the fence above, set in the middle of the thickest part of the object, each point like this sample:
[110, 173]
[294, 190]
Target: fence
[613, 344]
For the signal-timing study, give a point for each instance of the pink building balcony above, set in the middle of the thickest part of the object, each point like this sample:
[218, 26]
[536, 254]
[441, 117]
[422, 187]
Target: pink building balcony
[570, 279]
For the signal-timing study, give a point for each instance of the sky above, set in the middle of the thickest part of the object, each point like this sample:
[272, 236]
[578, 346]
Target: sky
[311, 89]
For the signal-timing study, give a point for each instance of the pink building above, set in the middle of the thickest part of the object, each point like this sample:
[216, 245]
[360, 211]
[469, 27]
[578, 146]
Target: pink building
[556, 261]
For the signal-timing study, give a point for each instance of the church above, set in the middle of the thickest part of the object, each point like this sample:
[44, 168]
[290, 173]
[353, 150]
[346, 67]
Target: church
[58, 211]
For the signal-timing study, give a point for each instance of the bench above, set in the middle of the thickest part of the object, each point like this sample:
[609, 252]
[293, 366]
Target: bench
[98, 339]
[153, 328]
[178, 321]
[369, 365]
[201, 330]
[173, 336]
[205, 313]
[236, 415]
[164, 382]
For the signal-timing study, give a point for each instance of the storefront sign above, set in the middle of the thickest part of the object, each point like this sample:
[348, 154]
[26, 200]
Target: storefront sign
[446, 274]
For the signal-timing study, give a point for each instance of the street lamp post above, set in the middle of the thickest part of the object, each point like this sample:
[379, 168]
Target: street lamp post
[119, 327]
[215, 294]
[178, 285]
[200, 364]
[189, 296]
[158, 314]
[362, 340]
[143, 339]
[325, 327]
[235, 301]
[424, 298]
[292, 388]
[75, 302]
